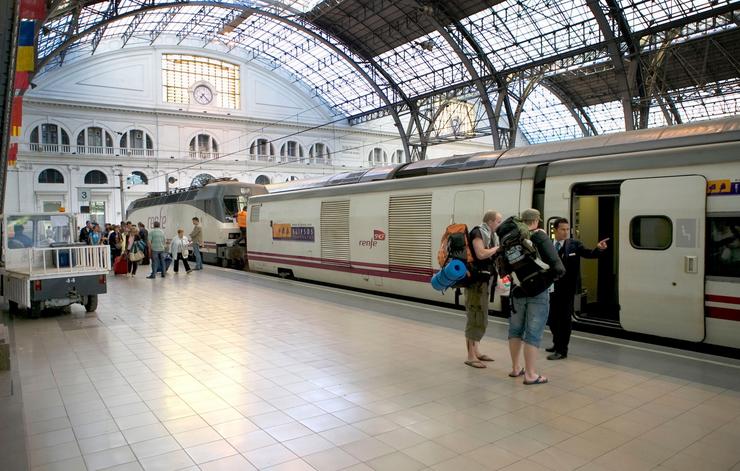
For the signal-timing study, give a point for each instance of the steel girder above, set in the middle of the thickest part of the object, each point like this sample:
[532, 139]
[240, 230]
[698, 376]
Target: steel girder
[256, 11]
[579, 114]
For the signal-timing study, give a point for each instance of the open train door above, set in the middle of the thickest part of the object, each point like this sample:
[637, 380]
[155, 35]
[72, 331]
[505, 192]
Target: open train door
[661, 256]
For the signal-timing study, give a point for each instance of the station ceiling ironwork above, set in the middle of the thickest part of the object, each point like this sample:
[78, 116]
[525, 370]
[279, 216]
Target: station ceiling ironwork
[553, 69]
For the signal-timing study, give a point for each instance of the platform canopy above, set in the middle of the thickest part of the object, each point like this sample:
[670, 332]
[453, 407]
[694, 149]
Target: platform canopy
[450, 70]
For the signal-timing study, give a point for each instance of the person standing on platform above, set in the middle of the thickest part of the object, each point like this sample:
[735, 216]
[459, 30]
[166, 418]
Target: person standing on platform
[530, 310]
[85, 232]
[196, 237]
[484, 245]
[156, 250]
[570, 251]
[241, 220]
[144, 236]
[179, 251]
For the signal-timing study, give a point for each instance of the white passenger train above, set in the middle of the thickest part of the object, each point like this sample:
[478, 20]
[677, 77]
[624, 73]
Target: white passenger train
[214, 204]
[669, 199]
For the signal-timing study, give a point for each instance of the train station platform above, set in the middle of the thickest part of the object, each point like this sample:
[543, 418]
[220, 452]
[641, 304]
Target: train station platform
[227, 370]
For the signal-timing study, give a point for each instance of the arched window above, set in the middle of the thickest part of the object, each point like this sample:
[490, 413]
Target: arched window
[49, 137]
[377, 156]
[262, 180]
[137, 178]
[95, 177]
[137, 142]
[319, 153]
[94, 140]
[203, 146]
[201, 179]
[291, 151]
[397, 157]
[291, 178]
[262, 149]
[51, 175]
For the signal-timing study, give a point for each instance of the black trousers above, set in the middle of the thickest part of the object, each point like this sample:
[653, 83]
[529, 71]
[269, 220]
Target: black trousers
[561, 313]
[184, 262]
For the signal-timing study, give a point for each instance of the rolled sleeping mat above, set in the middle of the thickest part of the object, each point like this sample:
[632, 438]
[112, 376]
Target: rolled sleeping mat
[453, 272]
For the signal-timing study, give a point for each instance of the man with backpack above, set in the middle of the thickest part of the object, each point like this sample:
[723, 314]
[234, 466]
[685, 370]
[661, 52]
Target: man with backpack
[484, 243]
[529, 256]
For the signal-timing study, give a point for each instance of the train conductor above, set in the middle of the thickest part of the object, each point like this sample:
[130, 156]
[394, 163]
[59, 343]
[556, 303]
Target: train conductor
[570, 252]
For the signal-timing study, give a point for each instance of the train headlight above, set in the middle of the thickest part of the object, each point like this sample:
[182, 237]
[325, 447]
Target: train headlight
[234, 235]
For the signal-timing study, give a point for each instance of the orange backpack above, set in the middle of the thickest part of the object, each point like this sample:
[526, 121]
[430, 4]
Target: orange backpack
[455, 245]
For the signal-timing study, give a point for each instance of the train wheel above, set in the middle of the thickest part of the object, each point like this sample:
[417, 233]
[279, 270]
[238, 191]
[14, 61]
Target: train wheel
[92, 303]
[224, 262]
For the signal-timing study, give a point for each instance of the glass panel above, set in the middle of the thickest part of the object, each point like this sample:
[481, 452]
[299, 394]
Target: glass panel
[723, 247]
[651, 232]
[49, 134]
[95, 137]
[51, 206]
[97, 212]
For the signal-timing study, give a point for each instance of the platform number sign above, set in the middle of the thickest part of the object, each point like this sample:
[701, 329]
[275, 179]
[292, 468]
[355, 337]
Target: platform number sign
[83, 194]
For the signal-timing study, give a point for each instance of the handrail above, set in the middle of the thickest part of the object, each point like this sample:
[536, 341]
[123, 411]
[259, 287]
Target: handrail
[79, 259]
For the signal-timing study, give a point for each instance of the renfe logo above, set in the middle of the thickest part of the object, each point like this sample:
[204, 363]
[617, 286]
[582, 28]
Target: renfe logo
[378, 235]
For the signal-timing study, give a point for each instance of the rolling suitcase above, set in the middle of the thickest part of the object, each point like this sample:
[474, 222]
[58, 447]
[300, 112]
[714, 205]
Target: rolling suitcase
[120, 265]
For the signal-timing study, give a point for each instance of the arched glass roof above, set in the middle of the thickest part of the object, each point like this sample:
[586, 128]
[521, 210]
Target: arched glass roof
[555, 69]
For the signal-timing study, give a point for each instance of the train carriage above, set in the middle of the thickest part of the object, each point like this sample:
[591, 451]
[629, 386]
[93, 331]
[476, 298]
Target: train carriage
[214, 204]
[669, 199]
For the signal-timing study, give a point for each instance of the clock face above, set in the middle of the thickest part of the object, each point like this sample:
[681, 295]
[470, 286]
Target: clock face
[203, 94]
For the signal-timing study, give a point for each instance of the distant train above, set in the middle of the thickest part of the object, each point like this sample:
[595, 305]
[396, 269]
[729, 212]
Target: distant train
[669, 199]
[214, 204]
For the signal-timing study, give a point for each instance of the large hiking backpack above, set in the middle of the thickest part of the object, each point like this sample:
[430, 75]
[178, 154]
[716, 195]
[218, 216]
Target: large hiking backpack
[454, 257]
[518, 257]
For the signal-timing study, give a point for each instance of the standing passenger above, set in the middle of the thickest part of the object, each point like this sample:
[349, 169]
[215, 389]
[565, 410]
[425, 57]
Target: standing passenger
[196, 237]
[529, 312]
[241, 219]
[179, 251]
[156, 250]
[570, 252]
[144, 235]
[484, 246]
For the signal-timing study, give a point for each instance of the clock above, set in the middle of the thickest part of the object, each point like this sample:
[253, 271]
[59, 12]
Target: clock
[203, 94]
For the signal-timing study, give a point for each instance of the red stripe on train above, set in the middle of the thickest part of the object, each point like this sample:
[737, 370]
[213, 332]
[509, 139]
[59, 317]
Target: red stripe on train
[346, 268]
[723, 313]
[722, 299]
[288, 258]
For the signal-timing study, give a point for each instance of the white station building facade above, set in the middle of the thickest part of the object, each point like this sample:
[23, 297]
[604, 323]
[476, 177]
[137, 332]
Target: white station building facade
[103, 131]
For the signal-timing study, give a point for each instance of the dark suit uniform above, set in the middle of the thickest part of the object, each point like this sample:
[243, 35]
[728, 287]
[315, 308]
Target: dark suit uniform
[561, 300]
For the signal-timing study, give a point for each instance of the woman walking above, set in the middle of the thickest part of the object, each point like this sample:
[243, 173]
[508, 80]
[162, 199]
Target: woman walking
[134, 251]
[179, 251]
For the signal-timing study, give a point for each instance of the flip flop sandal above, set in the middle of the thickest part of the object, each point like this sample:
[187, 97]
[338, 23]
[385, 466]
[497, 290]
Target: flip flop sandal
[539, 380]
[485, 358]
[475, 364]
[521, 373]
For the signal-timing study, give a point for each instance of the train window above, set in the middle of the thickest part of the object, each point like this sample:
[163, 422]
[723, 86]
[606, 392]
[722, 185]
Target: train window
[723, 246]
[234, 204]
[651, 232]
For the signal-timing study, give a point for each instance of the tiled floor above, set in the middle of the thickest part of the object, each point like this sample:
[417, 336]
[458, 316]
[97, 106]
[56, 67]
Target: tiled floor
[222, 370]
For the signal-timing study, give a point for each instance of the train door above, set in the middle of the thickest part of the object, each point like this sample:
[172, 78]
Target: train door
[661, 256]
[594, 217]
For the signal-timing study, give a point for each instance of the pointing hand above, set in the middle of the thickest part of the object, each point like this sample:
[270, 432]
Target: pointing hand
[602, 244]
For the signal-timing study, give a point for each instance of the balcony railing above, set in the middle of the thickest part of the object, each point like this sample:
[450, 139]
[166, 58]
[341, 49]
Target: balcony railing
[97, 150]
[57, 148]
[195, 155]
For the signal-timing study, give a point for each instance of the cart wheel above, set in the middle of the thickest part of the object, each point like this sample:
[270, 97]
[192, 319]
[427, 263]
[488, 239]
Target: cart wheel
[224, 262]
[35, 311]
[92, 303]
